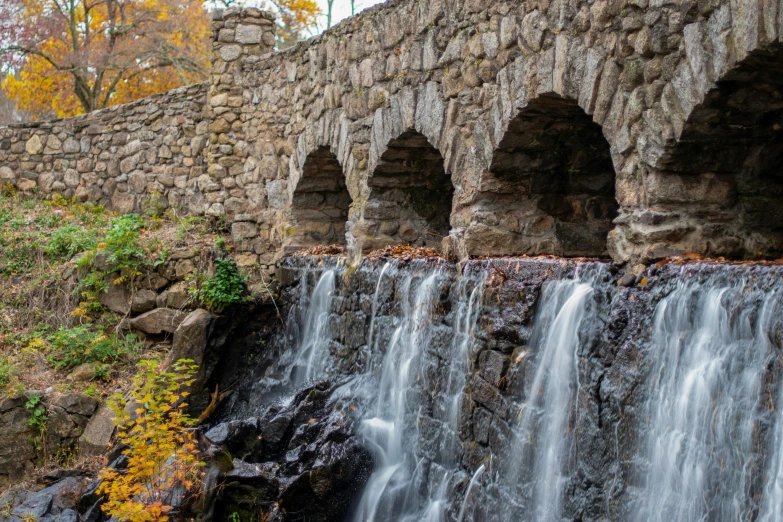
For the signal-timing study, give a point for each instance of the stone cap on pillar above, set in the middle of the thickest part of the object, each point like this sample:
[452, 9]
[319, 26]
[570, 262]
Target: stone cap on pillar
[242, 31]
[241, 12]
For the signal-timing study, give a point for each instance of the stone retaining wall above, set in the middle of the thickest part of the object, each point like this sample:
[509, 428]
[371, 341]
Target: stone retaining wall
[634, 128]
[127, 157]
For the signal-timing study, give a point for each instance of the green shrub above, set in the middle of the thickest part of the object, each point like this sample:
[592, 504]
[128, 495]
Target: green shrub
[69, 241]
[6, 372]
[228, 286]
[74, 346]
[122, 243]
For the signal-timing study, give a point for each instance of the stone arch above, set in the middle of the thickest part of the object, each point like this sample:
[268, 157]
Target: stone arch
[410, 195]
[550, 187]
[722, 178]
[319, 203]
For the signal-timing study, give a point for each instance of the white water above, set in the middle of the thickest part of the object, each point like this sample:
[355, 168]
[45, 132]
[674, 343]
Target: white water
[543, 434]
[710, 396]
[389, 431]
[407, 485]
[710, 444]
[473, 481]
[312, 354]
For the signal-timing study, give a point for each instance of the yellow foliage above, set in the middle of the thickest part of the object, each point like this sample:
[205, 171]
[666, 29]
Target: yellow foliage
[162, 452]
[100, 53]
[296, 17]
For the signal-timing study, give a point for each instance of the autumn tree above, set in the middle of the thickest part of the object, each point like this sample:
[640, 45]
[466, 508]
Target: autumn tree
[74, 56]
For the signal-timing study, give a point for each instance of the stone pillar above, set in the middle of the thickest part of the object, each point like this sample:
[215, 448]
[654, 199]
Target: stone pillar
[238, 34]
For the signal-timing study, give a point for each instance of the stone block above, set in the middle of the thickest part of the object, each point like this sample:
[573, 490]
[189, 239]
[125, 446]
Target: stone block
[248, 34]
[123, 202]
[34, 145]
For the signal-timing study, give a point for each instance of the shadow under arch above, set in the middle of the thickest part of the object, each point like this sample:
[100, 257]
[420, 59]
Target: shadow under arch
[410, 195]
[320, 203]
[550, 188]
[724, 175]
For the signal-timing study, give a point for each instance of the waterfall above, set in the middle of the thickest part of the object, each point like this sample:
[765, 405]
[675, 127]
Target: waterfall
[312, 354]
[543, 391]
[540, 462]
[413, 473]
[709, 403]
[392, 423]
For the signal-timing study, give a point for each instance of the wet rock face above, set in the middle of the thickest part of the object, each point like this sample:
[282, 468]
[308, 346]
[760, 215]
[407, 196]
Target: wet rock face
[300, 461]
[55, 503]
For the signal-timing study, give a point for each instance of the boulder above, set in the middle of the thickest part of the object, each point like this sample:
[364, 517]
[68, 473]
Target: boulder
[159, 320]
[55, 503]
[191, 337]
[310, 468]
[83, 373]
[178, 296]
[16, 459]
[97, 435]
[143, 300]
[75, 403]
[190, 342]
[116, 297]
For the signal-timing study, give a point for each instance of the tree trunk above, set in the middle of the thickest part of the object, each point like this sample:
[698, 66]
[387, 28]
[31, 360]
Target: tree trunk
[329, 4]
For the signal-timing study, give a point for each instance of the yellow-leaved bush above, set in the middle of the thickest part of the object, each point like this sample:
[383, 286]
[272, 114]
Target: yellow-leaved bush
[162, 451]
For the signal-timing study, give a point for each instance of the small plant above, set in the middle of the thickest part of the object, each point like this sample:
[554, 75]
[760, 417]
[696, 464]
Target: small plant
[162, 453]
[7, 372]
[37, 421]
[228, 286]
[122, 244]
[93, 391]
[69, 241]
[37, 412]
[65, 457]
[155, 205]
[81, 344]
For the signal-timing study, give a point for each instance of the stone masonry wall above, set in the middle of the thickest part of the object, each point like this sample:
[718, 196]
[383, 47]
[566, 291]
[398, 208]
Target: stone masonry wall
[125, 157]
[632, 128]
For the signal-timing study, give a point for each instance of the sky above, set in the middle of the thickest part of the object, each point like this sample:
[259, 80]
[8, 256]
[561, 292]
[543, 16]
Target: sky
[342, 9]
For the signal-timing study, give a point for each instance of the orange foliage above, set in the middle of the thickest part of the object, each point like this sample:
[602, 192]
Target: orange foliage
[162, 453]
[87, 55]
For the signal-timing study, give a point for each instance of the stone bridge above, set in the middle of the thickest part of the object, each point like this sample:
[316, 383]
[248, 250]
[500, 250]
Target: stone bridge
[637, 129]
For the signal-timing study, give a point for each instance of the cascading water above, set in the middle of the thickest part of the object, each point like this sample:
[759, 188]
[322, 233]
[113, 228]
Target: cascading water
[304, 355]
[535, 475]
[710, 452]
[389, 431]
[313, 351]
[534, 391]
[411, 482]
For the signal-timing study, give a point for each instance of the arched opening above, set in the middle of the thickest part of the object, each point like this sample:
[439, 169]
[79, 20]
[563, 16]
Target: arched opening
[319, 207]
[410, 195]
[729, 163]
[549, 189]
